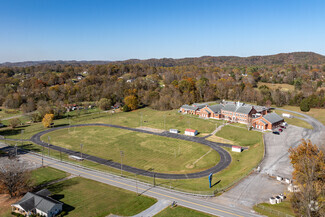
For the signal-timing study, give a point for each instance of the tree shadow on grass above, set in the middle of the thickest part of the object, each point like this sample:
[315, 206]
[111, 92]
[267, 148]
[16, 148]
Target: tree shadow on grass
[60, 125]
[30, 147]
[10, 132]
[59, 187]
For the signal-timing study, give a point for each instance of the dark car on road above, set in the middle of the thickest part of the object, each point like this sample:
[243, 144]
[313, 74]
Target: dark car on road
[276, 132]
[280, 130]
[283, 127]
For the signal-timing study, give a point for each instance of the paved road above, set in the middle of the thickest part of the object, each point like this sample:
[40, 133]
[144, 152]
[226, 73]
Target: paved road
[198, 203]
[258, 187]
[225, 157]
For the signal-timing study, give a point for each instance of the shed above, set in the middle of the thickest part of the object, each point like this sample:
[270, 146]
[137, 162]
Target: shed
[173, 131]
[236, 148]
[191, 132]
[272, 200]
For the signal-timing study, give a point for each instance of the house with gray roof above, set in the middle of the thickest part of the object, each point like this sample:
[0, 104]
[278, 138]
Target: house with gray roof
[188, 109]
[38, 203]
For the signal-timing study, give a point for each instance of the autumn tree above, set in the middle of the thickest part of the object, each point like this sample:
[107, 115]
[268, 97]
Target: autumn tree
[131, 101]
[14, 177]
[14, 122]
[309, 165]
[48, 120]
[104, 104]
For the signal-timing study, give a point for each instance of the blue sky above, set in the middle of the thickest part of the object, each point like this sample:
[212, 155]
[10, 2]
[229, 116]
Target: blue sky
[142, 29]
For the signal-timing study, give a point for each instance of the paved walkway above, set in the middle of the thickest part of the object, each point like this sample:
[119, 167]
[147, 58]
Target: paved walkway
[155, 209]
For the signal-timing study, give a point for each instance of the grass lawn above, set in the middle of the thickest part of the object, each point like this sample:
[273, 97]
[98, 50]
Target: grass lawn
[84, 197]
[181, 211]
[242, 163]
[6, 113]
[271, 210]
[141, 150]
[47, 174]
[318, 114]
[294, 121]
[240, 136]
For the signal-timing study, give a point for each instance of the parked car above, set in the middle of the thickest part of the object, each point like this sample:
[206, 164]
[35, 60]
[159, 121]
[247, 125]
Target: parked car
[283, 127]
[276, 132]
[281, 130]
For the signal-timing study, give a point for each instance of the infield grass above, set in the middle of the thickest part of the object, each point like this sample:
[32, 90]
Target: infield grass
[140, 150]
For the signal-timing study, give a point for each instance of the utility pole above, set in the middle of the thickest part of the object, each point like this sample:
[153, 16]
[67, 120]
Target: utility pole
[136, 184]
[48, 144]
[43, 157]
[22, 132]
[154, 179]
[165, 122]
[122, 154]
[81, 145]
[60, 155]
[16, 149]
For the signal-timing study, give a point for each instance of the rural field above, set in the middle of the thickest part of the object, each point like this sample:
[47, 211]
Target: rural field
[140, 150]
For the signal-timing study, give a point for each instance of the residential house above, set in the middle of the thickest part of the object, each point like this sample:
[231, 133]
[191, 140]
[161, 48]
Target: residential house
[38, 203]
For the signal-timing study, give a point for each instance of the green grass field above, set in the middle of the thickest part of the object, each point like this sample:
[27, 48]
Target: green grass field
[6, 113]
[273, 210]
[46, 174]
[181, 211]
[294, 121]
[242, 163]
[84, 197]
[241, 136]
[141, 150]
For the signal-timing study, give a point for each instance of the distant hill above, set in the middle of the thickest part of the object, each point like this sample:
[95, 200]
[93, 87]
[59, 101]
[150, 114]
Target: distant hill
[277, 59]
[54, 62]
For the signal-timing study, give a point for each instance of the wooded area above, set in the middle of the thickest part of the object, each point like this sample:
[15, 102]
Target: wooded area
[164, 84]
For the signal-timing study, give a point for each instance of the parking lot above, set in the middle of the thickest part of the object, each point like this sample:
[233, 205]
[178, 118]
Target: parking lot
[259, 186]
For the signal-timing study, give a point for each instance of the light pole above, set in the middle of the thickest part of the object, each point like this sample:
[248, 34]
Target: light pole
[48, 144]
[43, 157]
[136, 184]
[81, 145]
[16, 149]
[122, 154]
[22, 132]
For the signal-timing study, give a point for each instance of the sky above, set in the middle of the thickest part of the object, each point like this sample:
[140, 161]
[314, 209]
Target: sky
[142, 29]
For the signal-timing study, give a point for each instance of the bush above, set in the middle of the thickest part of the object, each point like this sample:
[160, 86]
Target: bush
[104, 104]
[125, 108]
[14, 122]
[304, 105]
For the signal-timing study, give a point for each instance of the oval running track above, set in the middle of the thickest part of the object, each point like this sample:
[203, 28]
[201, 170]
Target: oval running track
[225, 158]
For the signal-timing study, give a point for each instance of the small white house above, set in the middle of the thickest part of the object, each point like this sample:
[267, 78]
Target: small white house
[236, 149]
[173, 131]
[190, 132]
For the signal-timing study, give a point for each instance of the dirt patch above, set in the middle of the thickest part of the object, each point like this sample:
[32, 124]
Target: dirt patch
[5, 203]
[151, 129]
[214, 138]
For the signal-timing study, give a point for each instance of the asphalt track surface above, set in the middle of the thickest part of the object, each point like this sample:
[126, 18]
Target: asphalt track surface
[225, 158]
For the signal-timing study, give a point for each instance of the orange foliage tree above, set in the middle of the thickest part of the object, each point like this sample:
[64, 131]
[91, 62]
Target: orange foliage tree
[48, 120]
[309, 174]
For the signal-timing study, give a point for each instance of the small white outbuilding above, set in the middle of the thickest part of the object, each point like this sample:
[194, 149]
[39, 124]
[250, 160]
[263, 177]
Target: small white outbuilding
[173, 131]
[236, 149]
[190, 132]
